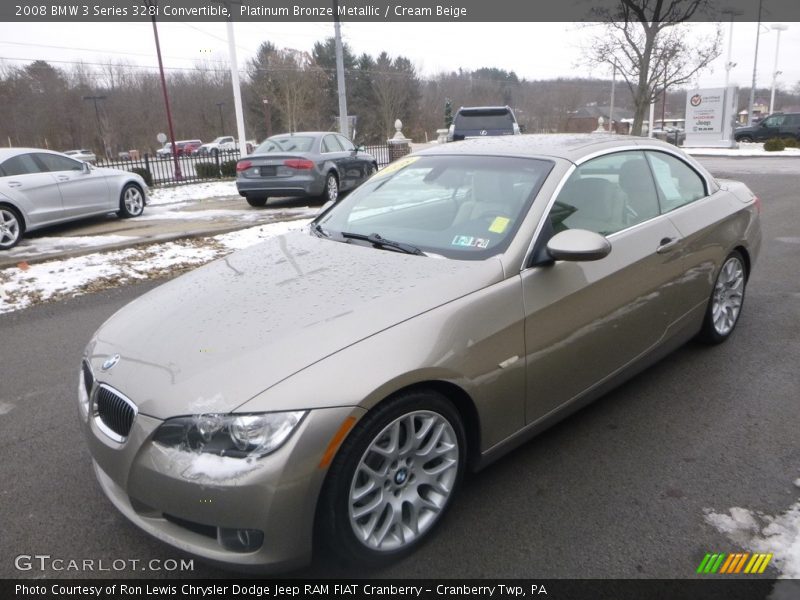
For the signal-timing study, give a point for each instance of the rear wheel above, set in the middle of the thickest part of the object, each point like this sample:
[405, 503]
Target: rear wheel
[393, 479]
[727, 298]
[11, 227]
[131, 201]
[330, 193]
[257, 201]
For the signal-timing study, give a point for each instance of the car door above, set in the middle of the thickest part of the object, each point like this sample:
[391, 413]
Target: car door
[32, 188]
[770, 128]
[357, 167]
[586, 321]
[332, 151]
[82, 193]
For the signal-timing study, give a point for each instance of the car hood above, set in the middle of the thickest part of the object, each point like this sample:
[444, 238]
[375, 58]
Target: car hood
[213, 339]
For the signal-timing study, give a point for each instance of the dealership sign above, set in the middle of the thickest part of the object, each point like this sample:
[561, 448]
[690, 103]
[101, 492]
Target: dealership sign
[709, 117]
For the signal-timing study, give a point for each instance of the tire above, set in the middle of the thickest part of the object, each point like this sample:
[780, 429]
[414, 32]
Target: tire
[330, 192]
[379, 502]
[131, 201]
[11, 227]
[727, 299]
[745, 138]
[256, 201]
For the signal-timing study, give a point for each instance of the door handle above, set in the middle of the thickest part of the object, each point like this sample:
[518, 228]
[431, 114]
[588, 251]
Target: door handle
[14, 184]
[667, 244]
[62, 178]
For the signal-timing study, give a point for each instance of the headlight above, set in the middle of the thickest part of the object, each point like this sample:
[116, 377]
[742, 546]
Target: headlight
[237, 436]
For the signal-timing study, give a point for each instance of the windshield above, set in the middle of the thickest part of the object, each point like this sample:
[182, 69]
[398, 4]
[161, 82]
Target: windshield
[288, 143]
[463, 207]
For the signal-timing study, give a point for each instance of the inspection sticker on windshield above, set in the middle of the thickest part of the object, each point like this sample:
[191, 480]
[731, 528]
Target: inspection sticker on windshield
[396, 166]
[499, 224]
[469, 241]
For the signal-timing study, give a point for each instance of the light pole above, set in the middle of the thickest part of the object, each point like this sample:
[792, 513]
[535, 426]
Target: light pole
[777, 27]
[755, 65]
[221, 123]
[267, 116]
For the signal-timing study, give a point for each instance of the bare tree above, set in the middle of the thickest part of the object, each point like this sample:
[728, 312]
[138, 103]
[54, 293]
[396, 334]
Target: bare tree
[649, 42]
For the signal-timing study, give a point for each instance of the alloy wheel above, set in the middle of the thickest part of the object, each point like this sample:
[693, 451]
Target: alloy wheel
[133, 200]
[9, 228]
[728, 296]
[403, 481]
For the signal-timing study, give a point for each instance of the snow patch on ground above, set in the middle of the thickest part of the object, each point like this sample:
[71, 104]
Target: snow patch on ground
[27, 285]
[758, 532]
[43, 245]
[742, 150]
[195, 191]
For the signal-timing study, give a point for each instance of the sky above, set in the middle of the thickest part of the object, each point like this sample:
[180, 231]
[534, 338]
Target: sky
[532, 50]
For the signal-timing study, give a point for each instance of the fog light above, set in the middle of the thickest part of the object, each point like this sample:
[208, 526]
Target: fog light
[240, 540]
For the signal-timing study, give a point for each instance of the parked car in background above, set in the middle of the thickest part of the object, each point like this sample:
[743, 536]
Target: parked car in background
[183, 148]
[674, 135]
[457, 303]
[84, 155]
[478, 121]
[776, 125]
[311, 163]
[225, 143]
[40, 188]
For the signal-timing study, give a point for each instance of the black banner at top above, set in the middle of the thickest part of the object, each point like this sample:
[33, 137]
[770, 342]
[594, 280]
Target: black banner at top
[382, 10]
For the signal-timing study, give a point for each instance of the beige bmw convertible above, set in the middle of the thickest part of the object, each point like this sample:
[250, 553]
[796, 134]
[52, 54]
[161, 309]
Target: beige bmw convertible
[334, 385]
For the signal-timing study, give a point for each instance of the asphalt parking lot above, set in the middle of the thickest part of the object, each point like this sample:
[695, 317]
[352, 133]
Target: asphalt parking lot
[618, 490]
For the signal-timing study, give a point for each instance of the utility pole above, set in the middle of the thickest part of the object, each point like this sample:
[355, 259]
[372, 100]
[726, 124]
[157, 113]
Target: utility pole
[99, 125]
[611, 107]
[267, 116]
[175, 164]
[777, 27]
[343, 125]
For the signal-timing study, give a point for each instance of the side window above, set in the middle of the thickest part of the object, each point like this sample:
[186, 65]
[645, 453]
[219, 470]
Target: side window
[23, 164]
[345, 143]
[606, 194]
[775, 121]
[677, 182]
[329, 144]
[53, 162]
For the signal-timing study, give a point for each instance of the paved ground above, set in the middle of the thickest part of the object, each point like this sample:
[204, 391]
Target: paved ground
[617, 490]
[161, 223]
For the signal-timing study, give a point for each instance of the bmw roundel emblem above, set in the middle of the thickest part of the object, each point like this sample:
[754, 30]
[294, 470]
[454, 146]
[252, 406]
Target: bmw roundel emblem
[484, 132]
[110, 362]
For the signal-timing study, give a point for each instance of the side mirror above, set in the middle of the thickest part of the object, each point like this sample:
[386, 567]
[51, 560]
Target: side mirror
[86, 169]
[578, 245]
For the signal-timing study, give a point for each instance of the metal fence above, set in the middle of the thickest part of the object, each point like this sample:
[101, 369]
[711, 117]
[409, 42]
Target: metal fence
[161, 169]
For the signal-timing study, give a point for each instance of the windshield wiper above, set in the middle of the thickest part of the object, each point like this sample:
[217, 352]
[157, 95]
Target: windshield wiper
[376, 240]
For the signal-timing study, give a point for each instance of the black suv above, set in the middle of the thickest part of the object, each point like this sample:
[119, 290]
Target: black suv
[777, 125]
[477, 121]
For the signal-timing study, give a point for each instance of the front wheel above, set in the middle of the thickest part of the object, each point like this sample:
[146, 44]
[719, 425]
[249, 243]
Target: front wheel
[393, 479]
[745, 138]
[131, 201]
[727, 298]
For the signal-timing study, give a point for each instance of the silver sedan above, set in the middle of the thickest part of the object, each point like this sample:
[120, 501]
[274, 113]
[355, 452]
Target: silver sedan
[39, 188]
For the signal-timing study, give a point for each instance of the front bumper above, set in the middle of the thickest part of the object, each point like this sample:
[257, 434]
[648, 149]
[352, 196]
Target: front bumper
[188, 499]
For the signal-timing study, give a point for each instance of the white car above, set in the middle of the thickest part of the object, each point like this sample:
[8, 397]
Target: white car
[84, 155]
[225, 143]
[40, 188]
